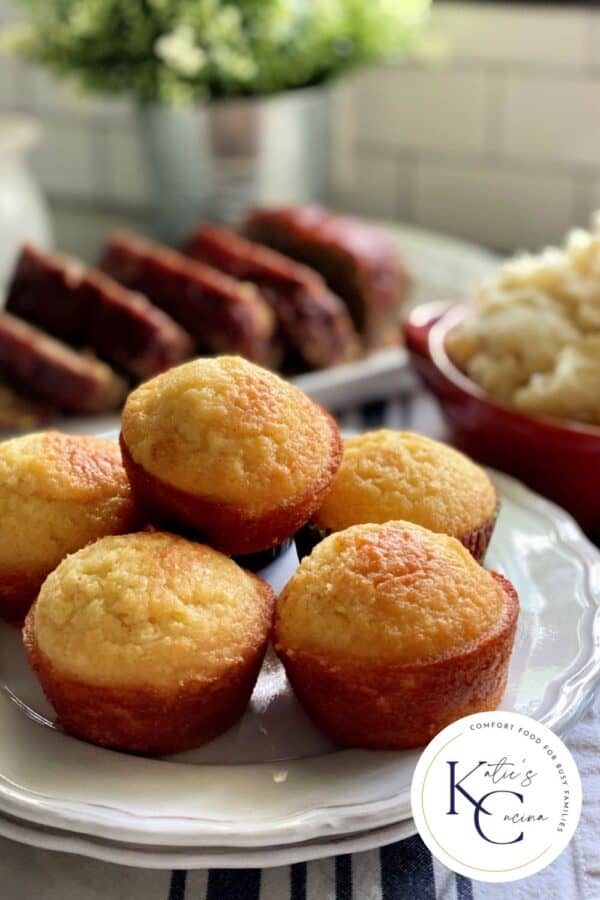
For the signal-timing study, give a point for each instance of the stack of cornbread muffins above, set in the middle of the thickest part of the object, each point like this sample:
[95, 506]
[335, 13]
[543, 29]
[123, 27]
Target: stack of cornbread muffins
[131, 568]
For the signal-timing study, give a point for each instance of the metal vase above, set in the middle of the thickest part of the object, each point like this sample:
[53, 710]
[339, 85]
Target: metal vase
[214, 160]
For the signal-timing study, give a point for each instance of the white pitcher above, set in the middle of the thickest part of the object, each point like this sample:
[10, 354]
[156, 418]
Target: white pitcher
[23, 212]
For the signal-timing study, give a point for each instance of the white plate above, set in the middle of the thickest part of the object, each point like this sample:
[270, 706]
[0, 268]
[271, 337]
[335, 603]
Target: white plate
[150, 857]
[273, 779]
[380, 375]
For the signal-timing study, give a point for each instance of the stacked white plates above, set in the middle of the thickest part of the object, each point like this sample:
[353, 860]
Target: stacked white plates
[273, 790]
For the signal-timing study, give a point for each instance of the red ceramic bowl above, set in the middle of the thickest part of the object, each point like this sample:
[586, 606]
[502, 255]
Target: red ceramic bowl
[559, 459]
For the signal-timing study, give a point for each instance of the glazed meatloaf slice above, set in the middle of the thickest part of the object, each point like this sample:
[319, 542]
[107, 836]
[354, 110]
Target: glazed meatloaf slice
[86, 308]
[221, 314]
[359, 263]
[55, 373]
[312, 320]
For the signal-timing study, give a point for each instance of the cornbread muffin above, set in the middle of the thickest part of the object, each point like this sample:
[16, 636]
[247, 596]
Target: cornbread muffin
[148, 642]
[389, 632]
[58, 492]
[229, 450]
[388, 475]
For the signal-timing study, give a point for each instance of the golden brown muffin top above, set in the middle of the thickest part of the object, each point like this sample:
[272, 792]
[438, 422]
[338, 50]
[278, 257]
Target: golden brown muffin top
[388, 475]
[149, 610]
[390, 593]
[57, 492]
[60, 466]
[229, 430]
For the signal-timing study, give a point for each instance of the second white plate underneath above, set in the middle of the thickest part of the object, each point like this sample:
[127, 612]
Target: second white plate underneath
[150, 857]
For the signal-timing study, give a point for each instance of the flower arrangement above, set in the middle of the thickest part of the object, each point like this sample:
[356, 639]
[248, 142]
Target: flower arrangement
[174, 51]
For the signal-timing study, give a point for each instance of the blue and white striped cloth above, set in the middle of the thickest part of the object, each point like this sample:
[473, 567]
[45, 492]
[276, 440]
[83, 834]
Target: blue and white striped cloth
[401, 871]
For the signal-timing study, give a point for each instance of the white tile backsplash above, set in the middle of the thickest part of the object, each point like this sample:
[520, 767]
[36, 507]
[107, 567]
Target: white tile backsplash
[485, 204]
[7, 86]
[418, 107]
[80, 231]
[587, 198]
[498, 143]
[64, 160]
[380, 187]
[127, 177]
[50, 96]
[593, 39]
[343, 134]
[514, 33]
[8, 12]
[553, 119]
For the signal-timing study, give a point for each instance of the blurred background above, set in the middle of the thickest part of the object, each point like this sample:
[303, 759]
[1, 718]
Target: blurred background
[493, 137]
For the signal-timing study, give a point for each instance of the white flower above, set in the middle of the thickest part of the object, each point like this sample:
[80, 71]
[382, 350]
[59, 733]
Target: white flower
[179, 51]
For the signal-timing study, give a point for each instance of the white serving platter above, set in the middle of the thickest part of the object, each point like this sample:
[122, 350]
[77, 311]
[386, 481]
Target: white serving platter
[273, 781]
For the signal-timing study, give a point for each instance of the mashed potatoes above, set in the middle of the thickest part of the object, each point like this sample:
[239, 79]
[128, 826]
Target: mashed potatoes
[535, 341]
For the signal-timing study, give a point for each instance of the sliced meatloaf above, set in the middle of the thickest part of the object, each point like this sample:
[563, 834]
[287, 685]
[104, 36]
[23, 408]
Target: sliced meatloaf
[359, 263]
[222, 314]
[86, 308]
[55, 373]
[312, 319]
